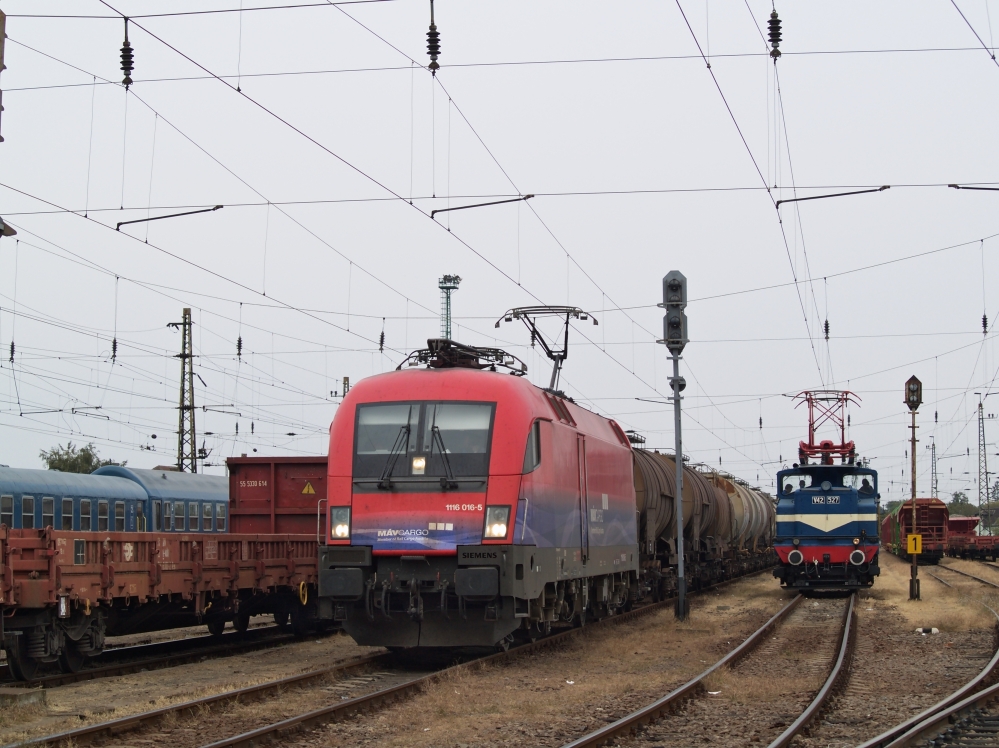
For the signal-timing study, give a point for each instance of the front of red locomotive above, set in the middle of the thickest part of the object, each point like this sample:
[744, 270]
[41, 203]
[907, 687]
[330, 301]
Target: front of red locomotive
[430, 479]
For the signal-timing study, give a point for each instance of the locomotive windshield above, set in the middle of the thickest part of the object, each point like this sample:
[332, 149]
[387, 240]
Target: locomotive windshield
[403, 440]
[864, 481]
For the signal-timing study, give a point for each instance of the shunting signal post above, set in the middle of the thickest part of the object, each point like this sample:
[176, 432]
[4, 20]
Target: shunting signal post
[914, 398]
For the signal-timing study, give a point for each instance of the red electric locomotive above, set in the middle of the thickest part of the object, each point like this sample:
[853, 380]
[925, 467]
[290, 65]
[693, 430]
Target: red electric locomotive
[465, 503]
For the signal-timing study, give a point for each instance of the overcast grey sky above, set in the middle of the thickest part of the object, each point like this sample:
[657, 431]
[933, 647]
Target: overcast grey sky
[606, 112]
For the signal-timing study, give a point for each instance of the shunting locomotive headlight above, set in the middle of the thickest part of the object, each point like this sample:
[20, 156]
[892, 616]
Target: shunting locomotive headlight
[419, 465]
[340, 522]
[856, 541]
[497, 519]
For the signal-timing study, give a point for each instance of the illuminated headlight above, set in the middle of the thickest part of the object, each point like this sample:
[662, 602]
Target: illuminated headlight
[340, 522]
[497, 519]
[856, 541]
[419, 465]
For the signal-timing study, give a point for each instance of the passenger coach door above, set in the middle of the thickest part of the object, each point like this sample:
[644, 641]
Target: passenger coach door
[584, 533]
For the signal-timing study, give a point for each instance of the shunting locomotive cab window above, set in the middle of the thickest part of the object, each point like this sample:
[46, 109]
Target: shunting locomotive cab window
[7, 511]
[796, 481]
[400, 440]
[532, 456]
[28, 512]
[863, 482]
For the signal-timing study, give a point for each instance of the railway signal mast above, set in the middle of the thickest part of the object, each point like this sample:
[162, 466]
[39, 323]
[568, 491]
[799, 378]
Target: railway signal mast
[675, 338]
[913, 398]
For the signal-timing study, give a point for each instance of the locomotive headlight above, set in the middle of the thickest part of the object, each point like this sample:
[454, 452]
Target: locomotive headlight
[795, 542]
[340, 522]
[856, 541]
[419, 465]
[497, 519]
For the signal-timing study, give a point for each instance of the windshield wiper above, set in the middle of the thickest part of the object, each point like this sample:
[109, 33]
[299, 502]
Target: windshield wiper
[401, 444]
[448, 482]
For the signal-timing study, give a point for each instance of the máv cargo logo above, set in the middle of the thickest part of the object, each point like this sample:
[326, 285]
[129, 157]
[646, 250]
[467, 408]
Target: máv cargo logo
[403, 533]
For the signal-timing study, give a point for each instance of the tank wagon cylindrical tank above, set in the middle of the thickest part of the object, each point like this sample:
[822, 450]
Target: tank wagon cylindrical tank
[728, 526]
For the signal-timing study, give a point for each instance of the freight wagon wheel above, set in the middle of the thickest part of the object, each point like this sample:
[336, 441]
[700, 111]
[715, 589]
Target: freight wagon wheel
[241, 622]
[21, 665]
[71, 658]
[216, 626]
[281, 618]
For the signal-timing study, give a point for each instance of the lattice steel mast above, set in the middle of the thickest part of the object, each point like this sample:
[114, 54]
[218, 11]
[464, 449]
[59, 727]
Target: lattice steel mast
[447, 284]
[983, 470]
[187, 452]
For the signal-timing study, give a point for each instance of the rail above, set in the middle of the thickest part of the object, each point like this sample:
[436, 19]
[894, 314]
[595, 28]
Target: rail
[646, 714]
[891, 736]
[829, 687]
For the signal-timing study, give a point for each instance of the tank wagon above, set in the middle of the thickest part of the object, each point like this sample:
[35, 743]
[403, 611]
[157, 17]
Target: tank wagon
[932, 517]
[827, 528]
[114, 499]
[467, 506]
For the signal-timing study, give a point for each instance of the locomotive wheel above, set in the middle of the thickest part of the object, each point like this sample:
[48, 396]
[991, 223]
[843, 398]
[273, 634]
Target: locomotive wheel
[216, 626]
[22, 666]
[71, 659]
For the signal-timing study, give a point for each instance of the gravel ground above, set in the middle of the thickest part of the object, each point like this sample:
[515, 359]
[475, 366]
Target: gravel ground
[110, 698]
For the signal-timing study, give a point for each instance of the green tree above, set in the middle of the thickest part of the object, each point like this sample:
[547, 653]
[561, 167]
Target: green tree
[73, 459]
[959, 505]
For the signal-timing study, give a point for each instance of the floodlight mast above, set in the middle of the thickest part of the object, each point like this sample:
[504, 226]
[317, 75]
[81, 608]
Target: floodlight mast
[557, 353]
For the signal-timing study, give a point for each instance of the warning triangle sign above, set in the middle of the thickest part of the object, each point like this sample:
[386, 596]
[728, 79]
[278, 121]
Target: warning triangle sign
[308, 488]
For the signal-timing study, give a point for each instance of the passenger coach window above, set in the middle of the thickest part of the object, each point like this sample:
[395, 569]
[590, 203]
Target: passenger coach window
[206, 509]
[192, 516]
[167, 515]
[28, 512]
[85, 517]
[178, 513]
[102, 516]
[67, 514]
[220, 518]
[7, 510]
[119, 516]
[48, 511]
[532, 457]
[157, 516]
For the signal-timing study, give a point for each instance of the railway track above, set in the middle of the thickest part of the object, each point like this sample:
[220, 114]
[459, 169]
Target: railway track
[133, 659]
[966, 574]
[759, 647]
[394, 683]
[960, 718]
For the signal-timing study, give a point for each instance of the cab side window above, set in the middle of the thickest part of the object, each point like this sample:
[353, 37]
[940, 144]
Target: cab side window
[532, 456]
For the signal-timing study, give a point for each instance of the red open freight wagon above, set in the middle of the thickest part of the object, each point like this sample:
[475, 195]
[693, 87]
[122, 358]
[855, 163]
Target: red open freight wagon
[62, 591]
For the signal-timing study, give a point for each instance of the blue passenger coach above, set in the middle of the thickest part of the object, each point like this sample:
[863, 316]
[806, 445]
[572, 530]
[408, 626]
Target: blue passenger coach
[114, 499]
[175, 501]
